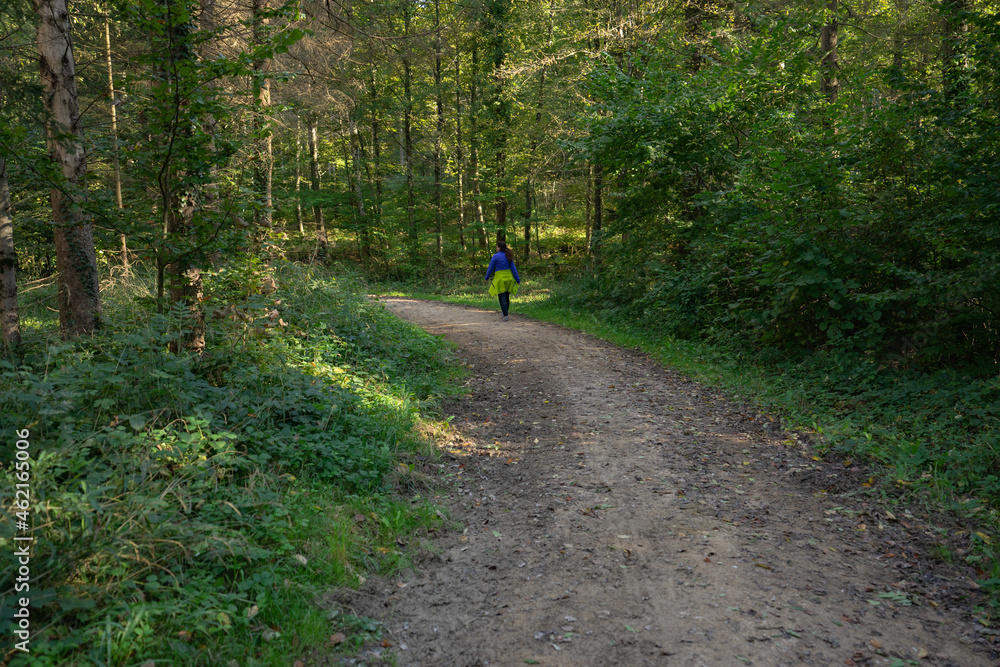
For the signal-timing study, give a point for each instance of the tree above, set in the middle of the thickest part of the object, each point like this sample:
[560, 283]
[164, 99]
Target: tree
[79, 289]
[9, 322]
[263, 159]
[830, 85]
[496, 14]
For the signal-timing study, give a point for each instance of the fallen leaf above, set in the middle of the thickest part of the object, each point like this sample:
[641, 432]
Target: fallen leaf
[298, 663]
[337, 638]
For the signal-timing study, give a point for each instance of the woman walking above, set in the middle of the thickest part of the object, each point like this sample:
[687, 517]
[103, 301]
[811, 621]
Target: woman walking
[505, 278]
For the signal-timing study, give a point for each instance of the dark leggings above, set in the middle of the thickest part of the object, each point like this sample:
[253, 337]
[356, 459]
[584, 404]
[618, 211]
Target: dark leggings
[504, 302]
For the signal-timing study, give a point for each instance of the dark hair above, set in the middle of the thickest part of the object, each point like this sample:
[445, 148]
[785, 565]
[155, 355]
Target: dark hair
[506, 251]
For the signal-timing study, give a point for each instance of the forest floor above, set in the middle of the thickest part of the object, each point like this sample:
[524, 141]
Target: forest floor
[617, 513]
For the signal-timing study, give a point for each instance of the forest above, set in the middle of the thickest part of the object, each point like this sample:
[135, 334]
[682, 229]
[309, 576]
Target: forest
[196, 195]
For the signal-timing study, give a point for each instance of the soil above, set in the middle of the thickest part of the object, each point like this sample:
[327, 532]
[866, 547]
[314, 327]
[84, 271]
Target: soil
[614, 512]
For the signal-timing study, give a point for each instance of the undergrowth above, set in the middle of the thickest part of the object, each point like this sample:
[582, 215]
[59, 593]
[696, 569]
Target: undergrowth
[931, 438]
[193, 509]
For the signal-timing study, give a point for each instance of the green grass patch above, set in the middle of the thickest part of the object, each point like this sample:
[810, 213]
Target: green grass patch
[194, 509]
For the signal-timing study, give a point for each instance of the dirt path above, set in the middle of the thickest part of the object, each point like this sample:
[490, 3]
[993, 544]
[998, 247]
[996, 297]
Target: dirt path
[618, 513]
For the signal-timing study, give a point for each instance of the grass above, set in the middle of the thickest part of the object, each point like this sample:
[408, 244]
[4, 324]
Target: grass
[195, 509]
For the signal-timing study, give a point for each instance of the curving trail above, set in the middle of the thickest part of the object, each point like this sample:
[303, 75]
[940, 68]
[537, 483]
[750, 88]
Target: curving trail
[618, 513]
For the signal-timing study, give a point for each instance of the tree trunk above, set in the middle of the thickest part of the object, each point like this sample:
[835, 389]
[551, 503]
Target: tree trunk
[529, 192]
[598, 221]
[359, 194]
[589, 174]
[495, 29]
[411, 204]
[527, 215]
[474, 147]
[9, 322]
[185, 277]
[830, 85]
[115, 161]
[321, 237]
[209, 51]
[263, 163]
[439, 133]
[76, 261]
[376, 152]
[180, 197]
[459, 157]
[298, 175]
[407, 143]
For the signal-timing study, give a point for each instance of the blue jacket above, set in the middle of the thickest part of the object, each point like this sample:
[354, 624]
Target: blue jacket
[498, 262]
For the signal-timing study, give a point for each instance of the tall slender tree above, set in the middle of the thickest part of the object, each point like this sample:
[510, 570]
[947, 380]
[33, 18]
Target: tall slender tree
[76, 260]
[115, 158]
[830, 84]
[10, 326]
[438, 130]
[263, 160]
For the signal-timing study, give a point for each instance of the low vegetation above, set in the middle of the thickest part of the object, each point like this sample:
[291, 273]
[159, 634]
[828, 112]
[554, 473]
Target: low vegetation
[194, 509]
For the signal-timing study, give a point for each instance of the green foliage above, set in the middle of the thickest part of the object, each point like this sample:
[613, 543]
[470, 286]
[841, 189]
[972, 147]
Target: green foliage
[752, 209]
[176, 499]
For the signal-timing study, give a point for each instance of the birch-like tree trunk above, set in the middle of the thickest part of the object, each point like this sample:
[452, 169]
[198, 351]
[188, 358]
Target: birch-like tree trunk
[298, 174]
[263, 167]
[115, 161]
[357, 184]
[474, 146]
[76, 262]
[459, 156]
[9, 322]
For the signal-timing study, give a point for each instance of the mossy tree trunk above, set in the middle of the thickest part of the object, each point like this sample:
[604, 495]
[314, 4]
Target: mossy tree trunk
[78, 286]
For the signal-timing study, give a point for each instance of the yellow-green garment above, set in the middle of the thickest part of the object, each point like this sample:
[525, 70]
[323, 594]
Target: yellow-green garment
[503, 281]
